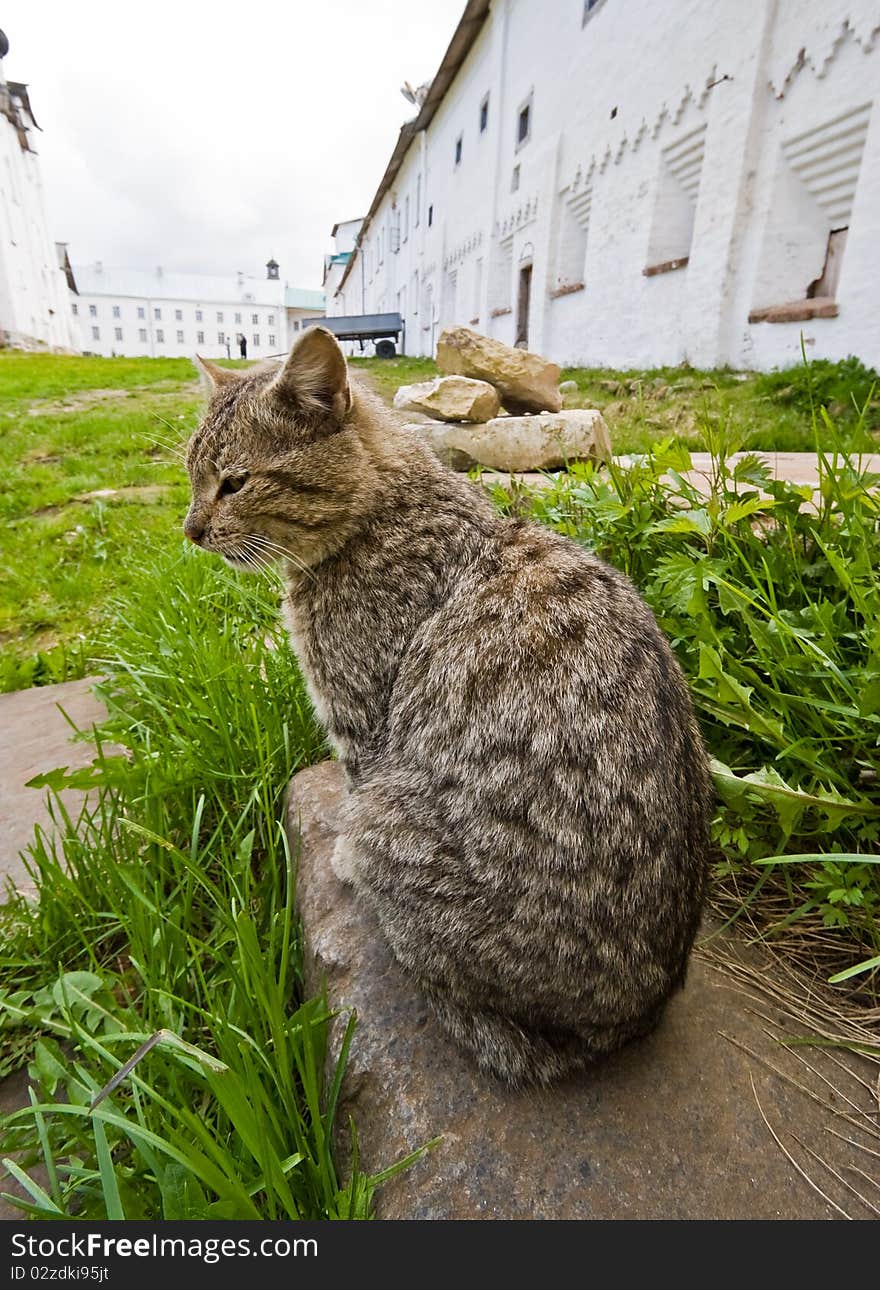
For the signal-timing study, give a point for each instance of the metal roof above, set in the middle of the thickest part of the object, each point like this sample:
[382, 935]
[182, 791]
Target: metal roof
[303, 298]
[155, 284]
[470, 24]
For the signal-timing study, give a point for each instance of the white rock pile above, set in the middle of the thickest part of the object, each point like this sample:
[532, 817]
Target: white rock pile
[459, 417]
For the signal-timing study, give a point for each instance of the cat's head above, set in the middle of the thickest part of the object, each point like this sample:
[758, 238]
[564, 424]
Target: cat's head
[277, 466]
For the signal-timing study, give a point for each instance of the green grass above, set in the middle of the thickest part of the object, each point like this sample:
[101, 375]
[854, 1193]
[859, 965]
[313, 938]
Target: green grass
[73, 426]
[65, 555]
[166, 913]
[166, 926]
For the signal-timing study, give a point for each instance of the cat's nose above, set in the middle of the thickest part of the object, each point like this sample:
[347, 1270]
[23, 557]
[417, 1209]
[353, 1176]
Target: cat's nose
[193, 529]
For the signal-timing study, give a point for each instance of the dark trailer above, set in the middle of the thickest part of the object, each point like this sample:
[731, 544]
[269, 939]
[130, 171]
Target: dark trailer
[362, 327]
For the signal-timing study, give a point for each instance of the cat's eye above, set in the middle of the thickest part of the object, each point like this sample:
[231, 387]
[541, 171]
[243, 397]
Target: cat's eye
[231, 484]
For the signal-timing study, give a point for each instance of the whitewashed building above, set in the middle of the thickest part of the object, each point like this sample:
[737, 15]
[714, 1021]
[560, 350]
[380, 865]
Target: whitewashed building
[35, 275]
[619, 182]
[147, 313]
[301, 303]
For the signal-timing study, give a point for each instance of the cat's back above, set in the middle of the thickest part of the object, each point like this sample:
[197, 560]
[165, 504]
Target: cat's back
[539, 626]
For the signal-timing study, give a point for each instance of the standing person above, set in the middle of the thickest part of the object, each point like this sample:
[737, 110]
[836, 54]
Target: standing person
[242, 345]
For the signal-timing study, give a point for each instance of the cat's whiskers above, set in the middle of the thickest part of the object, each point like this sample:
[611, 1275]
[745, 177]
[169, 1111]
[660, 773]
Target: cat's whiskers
[278, 551]
[168, 446]
[258, 559]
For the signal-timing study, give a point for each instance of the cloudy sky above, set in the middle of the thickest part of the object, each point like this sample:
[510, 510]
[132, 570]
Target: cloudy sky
[208, 137]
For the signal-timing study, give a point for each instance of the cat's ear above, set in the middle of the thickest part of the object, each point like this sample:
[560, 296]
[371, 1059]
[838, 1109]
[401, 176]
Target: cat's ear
[214, 375]
[314, 378]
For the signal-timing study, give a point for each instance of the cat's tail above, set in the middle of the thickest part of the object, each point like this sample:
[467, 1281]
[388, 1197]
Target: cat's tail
[516, 1056]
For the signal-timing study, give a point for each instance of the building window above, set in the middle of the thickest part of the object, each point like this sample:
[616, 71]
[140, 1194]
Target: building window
[142, 335]
[675, 203]
[178, 315]
[524, 123]
[430, 216]
[271, 342]
[271, 320]
[219, 315]
[256, 339]
[198, 315]
[160, 336]
[93, 311]
[238, 318]
[221, 336]
[514, 179]
[296, 324]
[406, 217]
[157, 314]
[118, 332]
[142, 313]
[484, 114]
[573, 228]
[116, 314]
[255, 318]
[200, 338]
[96, 333]
[75, 308]
[418, 215]
[180, 338]
[458, 144]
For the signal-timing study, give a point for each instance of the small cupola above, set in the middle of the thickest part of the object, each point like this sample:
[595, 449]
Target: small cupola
[272, 269]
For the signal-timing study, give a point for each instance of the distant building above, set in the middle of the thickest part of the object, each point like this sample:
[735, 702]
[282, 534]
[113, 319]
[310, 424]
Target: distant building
[619, 182]
[344, 236]
[35, 274]
[155, 313]
[300, 303]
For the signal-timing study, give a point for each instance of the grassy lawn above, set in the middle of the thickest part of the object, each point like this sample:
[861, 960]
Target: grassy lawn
[166, 911]
[74, 428]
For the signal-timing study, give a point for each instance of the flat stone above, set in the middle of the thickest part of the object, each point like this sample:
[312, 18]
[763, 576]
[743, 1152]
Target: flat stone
[668, 1128]
[35, 737]
[526, 382]
[795, 467]
[450, 398]
[545, 441]
[13, 1097]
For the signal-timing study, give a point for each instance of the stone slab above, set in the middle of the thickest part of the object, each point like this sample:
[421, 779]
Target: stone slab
[35, 737]
[668, 1128]
[796, 467]
[14, 1096]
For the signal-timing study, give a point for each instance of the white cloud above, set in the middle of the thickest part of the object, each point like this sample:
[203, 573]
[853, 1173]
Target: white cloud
[207, 137]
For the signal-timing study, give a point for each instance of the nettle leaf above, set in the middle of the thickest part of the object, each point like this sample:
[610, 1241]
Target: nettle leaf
[695, 520]
[99, 772]
[751, 469]
[743, 507]
[681, 580]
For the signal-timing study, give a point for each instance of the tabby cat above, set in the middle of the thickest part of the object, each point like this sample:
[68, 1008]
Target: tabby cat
[528, 791]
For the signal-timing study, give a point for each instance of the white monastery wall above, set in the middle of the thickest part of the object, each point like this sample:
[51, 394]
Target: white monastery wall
[719, 147]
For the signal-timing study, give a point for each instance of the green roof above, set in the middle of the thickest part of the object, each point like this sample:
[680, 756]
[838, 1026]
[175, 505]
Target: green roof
[302, 298]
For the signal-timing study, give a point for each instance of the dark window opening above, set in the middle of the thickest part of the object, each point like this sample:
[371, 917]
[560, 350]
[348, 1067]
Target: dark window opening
[523, 123]
[484, 114]
[458, 149]
[430, 216]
